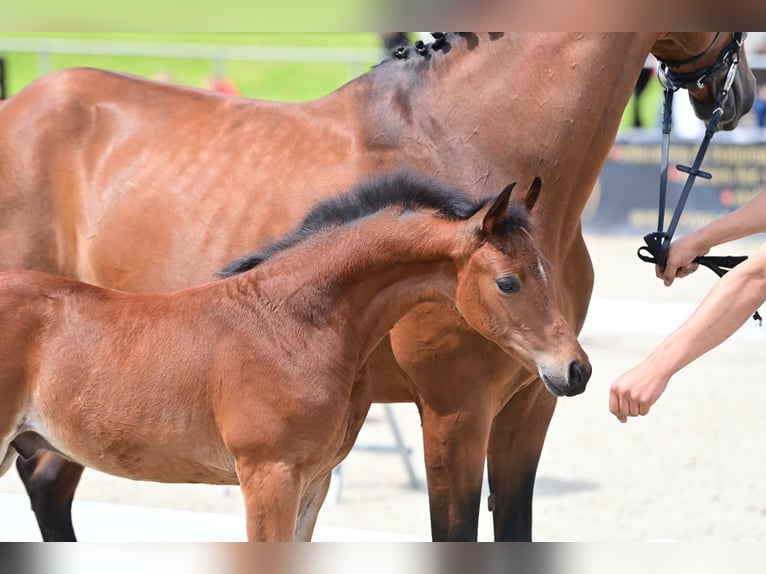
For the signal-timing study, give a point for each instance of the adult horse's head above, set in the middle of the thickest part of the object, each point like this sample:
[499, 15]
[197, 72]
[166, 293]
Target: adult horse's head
[504, 292]
[703, 63]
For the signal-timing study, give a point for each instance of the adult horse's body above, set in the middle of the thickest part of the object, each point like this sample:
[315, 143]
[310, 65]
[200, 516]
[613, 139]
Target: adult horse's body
[258, 379]
[121, 182]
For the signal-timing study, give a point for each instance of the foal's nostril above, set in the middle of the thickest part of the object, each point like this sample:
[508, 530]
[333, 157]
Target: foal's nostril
[575, 374]
[578, 376]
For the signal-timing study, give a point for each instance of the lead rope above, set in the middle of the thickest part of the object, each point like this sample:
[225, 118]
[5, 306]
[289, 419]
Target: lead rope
[658, 242]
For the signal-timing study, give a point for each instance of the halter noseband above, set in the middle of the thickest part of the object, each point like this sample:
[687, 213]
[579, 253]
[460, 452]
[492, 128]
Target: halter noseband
[658, 243]
[728, 57]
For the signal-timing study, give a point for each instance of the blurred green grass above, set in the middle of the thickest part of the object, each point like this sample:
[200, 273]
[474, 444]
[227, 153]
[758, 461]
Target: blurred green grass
[285, 81]
[190, 15]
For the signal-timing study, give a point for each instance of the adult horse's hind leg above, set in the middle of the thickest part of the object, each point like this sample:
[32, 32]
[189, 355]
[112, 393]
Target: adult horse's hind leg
[50, 481]
[515, 444]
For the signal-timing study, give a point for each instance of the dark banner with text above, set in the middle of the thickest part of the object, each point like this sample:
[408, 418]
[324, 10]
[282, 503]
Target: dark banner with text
[626, 197]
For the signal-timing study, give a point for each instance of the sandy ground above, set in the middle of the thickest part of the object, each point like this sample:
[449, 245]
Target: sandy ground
[693, 470]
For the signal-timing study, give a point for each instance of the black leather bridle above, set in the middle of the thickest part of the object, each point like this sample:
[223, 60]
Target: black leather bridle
[658, 242]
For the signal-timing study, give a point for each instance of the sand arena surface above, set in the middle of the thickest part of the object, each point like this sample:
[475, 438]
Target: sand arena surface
[692, 470]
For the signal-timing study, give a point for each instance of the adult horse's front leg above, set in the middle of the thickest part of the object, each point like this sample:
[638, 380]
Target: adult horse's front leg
[454, 445]
[272, 498]
[459, 382]
[311, 504]
[50, 481]
[515, 444]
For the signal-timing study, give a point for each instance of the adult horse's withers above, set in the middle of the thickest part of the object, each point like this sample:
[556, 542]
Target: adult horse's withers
[121, 182]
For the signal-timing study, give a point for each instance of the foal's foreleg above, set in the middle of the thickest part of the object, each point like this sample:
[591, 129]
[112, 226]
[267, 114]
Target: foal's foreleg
[50, 481]
[272, 493]
[515, 444]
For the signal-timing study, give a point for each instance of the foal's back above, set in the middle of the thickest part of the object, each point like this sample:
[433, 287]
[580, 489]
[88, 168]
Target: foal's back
[103, 371]
[29, 303]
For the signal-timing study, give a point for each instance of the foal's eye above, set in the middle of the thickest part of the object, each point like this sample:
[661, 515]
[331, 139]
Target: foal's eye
[508, 285]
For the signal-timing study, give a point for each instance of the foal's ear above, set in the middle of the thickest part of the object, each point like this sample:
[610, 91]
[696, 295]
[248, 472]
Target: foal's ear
[490, 218]
[530, 198]
[497, 209]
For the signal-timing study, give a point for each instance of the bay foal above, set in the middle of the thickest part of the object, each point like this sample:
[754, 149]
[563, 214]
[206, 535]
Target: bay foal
[260, 378]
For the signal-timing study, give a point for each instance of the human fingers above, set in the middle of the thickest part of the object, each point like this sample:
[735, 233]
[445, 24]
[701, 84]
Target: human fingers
[673, 272]
[665, 275]
[644, 409]
[687, 270]
[615, 406]
[669, 275]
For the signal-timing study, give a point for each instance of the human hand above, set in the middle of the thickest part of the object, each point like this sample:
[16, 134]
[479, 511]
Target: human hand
[681, 257]
[634, 392]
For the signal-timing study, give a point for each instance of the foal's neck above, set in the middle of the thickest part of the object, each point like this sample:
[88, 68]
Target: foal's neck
[359, 280]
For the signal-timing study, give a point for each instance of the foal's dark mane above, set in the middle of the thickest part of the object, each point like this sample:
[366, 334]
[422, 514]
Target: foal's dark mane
[403, 190]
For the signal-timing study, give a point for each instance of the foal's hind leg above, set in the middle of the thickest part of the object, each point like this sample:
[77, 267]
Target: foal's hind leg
[516, 441]
[50, 481]
[311, 503]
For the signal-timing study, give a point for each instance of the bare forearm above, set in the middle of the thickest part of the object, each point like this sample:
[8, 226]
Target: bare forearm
[745, 221]
[730, 302]
[728, 305]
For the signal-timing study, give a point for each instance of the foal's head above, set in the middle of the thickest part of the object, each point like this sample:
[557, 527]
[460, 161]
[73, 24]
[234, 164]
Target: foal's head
[502, 283]
[504, 292]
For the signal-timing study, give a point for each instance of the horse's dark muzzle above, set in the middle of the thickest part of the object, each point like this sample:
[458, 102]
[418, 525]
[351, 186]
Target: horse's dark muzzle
[579, 374]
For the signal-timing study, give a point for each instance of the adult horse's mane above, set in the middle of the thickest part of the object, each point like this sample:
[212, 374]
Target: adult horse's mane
[443, 42]
[404, 190]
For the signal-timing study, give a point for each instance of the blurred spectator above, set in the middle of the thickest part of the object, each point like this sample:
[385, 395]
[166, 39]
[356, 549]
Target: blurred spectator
[760, 106]
[218, 82]
[643, 80]
[644, 108]
[2, 79]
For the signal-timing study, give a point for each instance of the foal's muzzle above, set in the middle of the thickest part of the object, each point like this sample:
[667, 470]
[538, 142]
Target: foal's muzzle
[569, 385]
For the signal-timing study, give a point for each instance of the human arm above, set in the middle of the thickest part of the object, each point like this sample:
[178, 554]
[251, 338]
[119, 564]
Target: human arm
[725, 308]
[748, 220]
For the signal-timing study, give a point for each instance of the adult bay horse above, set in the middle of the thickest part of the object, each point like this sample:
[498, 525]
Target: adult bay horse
[121, 182]
[258, 379]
